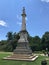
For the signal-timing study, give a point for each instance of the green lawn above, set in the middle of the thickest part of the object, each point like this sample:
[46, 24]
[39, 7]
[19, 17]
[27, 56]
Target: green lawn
[10, 62]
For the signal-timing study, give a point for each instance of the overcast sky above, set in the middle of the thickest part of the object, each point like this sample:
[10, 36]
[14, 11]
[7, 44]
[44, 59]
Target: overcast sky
[37, 19]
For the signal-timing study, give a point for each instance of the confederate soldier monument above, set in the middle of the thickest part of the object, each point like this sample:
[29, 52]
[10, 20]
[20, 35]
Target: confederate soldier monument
[23, 44]
[22, 51]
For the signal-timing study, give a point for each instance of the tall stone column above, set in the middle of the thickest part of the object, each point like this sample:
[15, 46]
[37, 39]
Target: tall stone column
[23, 33]
[23, 19]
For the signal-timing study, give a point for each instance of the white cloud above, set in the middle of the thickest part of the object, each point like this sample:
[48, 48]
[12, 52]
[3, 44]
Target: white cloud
[26, 19]
[3, 23]
[45, 1]
[19, 23]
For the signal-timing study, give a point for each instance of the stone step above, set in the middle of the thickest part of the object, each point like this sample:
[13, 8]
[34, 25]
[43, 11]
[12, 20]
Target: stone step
[17, 56]
[22, 48]
[23, 51]
[21, 54]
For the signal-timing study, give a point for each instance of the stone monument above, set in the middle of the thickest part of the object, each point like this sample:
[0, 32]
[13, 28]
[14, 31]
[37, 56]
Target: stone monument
[22, 51]
[23, 44]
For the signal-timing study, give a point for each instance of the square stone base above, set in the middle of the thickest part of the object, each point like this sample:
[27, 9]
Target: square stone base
[21, 57]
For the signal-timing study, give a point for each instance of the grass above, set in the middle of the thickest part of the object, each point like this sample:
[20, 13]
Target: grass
[10, 62]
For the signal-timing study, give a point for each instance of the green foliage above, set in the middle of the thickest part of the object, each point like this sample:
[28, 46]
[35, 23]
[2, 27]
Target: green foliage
[36, 43]
[3, 45]
[12, 39]
[45, 41]
[9, 36]
[11, 42]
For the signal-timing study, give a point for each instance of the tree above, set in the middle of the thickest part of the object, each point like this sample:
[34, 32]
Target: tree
[35, 43]
[45, 40]
[15, 39]
[16, 36]
[9, 36]
[3, 45]
[12, 39]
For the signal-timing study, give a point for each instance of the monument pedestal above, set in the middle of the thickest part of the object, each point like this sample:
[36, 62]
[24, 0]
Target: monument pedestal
[22, 49]
[23, 44]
